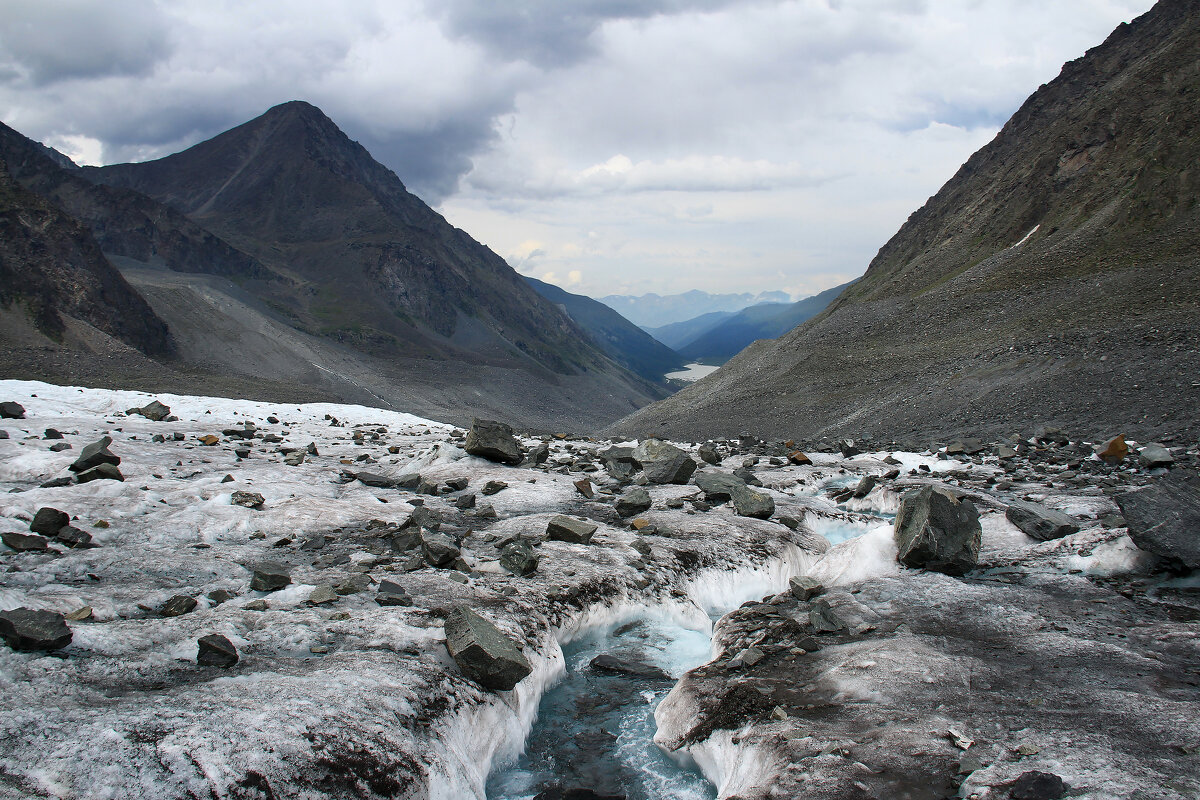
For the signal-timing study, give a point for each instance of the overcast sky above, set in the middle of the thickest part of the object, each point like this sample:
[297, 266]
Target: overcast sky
[608, 146]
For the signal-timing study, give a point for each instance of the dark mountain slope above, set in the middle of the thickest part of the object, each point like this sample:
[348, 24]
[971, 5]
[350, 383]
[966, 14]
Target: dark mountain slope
[764, 321]
[680, 334]
[1054, 279]
[52, 272]
[624, 342]
[123, 222]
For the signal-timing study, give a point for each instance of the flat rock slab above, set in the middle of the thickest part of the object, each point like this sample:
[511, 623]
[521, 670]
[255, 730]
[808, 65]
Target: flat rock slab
[100, 472]
[1164, 518]
[24, 542]
[28, 629]
[482, 651]
[568, 529]
[1040, 522]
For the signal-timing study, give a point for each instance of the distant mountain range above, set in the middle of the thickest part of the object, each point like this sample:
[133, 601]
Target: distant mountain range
[655, 311]
[280, 257]
[1053, 280]
[718, 336]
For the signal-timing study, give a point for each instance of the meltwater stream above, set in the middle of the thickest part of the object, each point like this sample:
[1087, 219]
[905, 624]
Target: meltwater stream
[595, 729]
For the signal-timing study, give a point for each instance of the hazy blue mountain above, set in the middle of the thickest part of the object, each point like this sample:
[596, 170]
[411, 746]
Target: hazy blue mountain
[624, 342]
[681, 334]
[654, 310]
[727, 338]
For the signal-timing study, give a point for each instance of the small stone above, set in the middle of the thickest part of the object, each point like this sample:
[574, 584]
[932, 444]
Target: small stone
[79, 614]
[492, 487]
[256, 605]
[354, 584]
[708, 454]
[56, 483]
[640, 524]
[294, 458]
[1155, 456]
[209, 440]
[73, 537]
[60, 447]
[247, 499]
[823, 619]
[804, 587]
[215, 650]
[1025, 749]
[1040, 522]
[322, 594]
[177, 606]
[934, 530]
[269, 576]
[48, 521]
[566, 529]
[1114, 450]
[29, 629]
[519, 558]
[100, 472]
[23, 542]
[778, 714]
[465, 502]
[219, 596]
[635, 501]
[584, 487]
[154, 410]
[439, 549]
[663, 462]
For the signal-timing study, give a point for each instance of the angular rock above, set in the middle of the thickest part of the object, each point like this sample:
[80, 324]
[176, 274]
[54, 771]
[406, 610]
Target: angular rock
[322, 595]
[635, 501]
[294, 458]
[493, 487]
[95, 454]
[49, 521]
[1164, 518]
[465, 502]
[934, 530]
[619, 462]
[663, 462]
[612, 665]
[708, 454]
[803, 587]
[107, 472]
[73, 537]
[59, 447]
[584, 487]
[177, 606]
[391, 593]
[494, 441]
[567, 529]
[747, 475]
[23, 542]
[439, 549]
[1035, 785]
[1114, 450]
[375, 480]
[796, 458]
[519, 558]
[28, 629]
[52, 433]
[247, 499]
[865, 485]
[270, 576]
[750, 503]
[154, 410]
[214, 650]
[1040, 522]
[719, 487]
[482, 651]
[11, 410]
[824, 619]
[1153, 456]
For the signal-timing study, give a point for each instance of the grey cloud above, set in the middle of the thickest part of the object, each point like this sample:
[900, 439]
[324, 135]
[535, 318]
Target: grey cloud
[43, 43]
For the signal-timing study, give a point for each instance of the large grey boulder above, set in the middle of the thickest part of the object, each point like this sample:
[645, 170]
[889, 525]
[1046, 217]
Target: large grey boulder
[27, 629]
[11, 410]
[482, 651]
[494, 441]
[1040, 522]
[619, 462]
[1164, 518]
[635, 501]
[719, 487]
[95, 454]
[439, 549]
[663, 462]
[519, 558]
[49, 521]
[567, 529]
[937, 531]
[751, 503]
[270, 576]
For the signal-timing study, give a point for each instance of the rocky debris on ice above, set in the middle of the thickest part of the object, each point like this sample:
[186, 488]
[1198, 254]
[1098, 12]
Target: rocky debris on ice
[561, 528]
[1164, 518]
[154, 410]
[11, 410]
[935, 530]
[33, 629]
[663, 462]
[1040, 522]
[215, 650]
[482, 651]
[494, 441]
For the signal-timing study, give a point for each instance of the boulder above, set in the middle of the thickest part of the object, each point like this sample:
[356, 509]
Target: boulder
[708, 454]
[154, 410]
[49, 521]
[73, 537]
[23, 542]
[619, 462]
[937, 531]
[584, 487]
[322, 595]
[247, 499]
[803, 587]
[11, 410]
[465, 502]
[439, 549]
[1040, 522]
[663, 462]
[108, 472]
[519, 558]
[215, 650]
[865, 485]
[1164, 518]
[635, 501]
[494, 441]
[539, 454]
[95, 454]
[566, 529]
[719, 487]
[612, 665]
[750, 503]
[493, 487]
[270, 576]
[1035, 785]
[177, 606]
[391, 593]
[375, 480]
[1154, 455]
[28, 629]
[799, 459]
[1114, 450]
[482, 651]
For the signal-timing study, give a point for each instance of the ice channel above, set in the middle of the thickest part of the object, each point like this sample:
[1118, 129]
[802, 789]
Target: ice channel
[595, 727]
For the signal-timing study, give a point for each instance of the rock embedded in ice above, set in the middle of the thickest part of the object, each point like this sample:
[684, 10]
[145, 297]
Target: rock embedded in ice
[95, 454]
[439, 549]
[1040, 522]
[663, 462]
[635, 501]
[247, 499]
[610, 664]
[1153, 456]
[935, 530]
[294, 458]
[482, 651]
[465, 502]
[519, 558]
[391, 593]
[1164, 518]
[567, 529]
[28, 629]
[718, 487]
[493, 487]
[619, 462]
[1036, 785]
[494, 441]
[11, 410]
[270, 576]
[52, 433]
[799, 459]
[218, 596]
[214, 650]
[73, 537]
[804, 587]
[100, 472]
[749, 503]
[177, 606]
[375, 480]
[538, 455]
[824, 619]
[49, 521]
[23, 542]
[584, 487]
[154, 410]
[865, 485]
[322, 595]
[708, 454]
